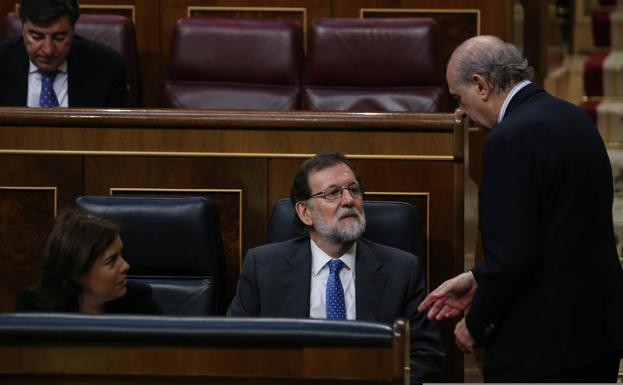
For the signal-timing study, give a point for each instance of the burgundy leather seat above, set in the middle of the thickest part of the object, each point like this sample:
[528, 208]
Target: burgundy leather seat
[374, 65]
[234, 64]
[113, 31]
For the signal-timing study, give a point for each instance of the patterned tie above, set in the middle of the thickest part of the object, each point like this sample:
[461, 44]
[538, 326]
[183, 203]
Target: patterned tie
[48, 96]
[336, 309]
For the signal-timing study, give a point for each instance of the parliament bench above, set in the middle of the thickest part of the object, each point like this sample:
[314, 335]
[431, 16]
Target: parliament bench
[62, 348]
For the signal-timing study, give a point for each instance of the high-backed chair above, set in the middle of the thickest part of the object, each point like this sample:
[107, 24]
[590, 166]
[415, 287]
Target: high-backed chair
[173, 244]
[234, 64]
[374, 65]
[114, 31]
[390, 223]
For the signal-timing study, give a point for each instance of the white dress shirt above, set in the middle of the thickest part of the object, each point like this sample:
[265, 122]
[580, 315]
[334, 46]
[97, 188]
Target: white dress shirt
[509, 97]
[319, 276]
[60, 86]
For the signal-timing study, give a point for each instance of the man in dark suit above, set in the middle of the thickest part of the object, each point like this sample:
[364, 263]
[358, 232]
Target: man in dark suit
[547, 302]
[48, 66]
[296, 279]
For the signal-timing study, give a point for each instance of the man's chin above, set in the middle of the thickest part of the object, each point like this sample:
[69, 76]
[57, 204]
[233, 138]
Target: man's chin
[47, 66]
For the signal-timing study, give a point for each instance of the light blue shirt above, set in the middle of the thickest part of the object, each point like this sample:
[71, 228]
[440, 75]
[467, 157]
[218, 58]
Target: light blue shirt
[510, 95]
[60, 86]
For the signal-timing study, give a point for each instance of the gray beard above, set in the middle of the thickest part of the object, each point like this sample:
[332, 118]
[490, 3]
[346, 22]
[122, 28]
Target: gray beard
[337, 234]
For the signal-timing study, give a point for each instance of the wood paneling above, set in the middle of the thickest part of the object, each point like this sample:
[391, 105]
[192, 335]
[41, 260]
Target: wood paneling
[25, 217]
[31, 190]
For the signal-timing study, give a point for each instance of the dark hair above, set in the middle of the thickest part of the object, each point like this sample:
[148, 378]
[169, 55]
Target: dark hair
[43, 11]
[75, 242]
[300, 190]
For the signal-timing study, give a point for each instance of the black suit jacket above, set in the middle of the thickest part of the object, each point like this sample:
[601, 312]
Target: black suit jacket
[276, 279]
[550, 291]
[137, 300]
[96, 75]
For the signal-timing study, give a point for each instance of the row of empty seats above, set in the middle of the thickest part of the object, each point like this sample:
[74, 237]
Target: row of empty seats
[174, 243]
[350, 65]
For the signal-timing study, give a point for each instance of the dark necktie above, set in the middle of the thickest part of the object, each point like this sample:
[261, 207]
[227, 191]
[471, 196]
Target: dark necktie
[48, 96]
[336, 309]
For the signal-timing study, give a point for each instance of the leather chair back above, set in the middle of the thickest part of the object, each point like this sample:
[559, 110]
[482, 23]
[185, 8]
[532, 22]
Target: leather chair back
[389, 223]
[173, 244]
[114, 31]
[374, 65]
[234, 64]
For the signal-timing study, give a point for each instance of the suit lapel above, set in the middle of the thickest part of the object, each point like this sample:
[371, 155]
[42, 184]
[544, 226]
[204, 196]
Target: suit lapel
[77, 85]
[369, 283]
[296, 279]
[16, 85]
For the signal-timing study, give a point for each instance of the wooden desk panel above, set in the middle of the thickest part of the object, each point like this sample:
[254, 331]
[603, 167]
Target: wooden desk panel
[136, 353]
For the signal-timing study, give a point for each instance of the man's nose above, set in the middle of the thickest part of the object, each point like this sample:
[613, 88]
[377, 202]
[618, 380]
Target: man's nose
[47, 47]
[347, 198]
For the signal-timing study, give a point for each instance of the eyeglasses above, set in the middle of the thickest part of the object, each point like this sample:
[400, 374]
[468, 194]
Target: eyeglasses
[333, 193]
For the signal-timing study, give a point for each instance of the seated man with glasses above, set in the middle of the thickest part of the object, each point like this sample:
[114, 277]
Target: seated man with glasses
[332, 272]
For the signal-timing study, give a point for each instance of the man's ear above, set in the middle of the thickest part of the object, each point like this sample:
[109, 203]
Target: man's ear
[302, 210]
[483, 87]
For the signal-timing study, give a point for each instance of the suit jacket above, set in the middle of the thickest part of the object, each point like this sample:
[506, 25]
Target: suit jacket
[137, 300]
[550, 290]
[276, 279]
[96, 75]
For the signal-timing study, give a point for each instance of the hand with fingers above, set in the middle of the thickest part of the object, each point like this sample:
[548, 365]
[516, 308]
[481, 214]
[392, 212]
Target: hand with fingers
[451, 298]
[463, 338]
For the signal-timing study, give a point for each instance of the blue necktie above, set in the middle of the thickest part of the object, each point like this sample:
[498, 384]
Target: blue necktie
[336, 309]
[48, 96]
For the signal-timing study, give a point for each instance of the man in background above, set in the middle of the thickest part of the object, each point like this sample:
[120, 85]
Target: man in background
[547, 302]
[332, 272]
[49, 66]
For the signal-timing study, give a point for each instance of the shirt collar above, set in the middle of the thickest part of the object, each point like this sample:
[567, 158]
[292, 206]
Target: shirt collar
[320, 258]
[32, 68]
[510, 95]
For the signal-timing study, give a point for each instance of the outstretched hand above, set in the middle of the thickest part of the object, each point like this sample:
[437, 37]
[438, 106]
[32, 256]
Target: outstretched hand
[451, 298]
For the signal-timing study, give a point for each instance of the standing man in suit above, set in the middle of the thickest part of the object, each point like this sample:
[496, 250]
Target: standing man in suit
[49, 66]
[332, 272]
[547, 302]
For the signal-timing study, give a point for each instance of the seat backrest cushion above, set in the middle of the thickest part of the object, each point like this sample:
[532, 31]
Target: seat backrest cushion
[374, 65]
[234, 63]
[174, 244]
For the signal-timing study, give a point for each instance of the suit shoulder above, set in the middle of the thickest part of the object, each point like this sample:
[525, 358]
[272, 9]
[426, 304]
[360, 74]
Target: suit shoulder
[25, 300]
[12, 52]
[10, 45]
[389, 253]
[278, 248]
[138, 288]
[137, 300]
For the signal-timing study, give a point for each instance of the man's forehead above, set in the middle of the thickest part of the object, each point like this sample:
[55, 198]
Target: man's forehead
[332, 174]
[60, 24]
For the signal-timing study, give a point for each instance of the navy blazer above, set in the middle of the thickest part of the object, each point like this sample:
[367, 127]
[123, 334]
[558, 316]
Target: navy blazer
[95, 75]
[550, 290]
[275, 281]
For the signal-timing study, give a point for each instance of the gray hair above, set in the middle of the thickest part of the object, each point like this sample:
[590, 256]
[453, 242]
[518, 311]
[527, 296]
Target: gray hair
[497, 61]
